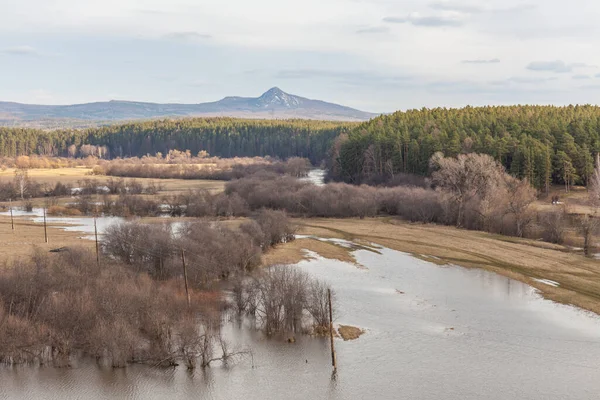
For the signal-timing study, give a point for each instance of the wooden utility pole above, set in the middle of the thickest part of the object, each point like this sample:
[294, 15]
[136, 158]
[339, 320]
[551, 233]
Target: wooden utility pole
[333, 361]
[45, 227]
[97, 245]
[187, 293]
[12, 221]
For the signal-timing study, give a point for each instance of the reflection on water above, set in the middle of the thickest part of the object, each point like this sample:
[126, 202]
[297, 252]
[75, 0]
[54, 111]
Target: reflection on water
[316, 176]
[432, 333]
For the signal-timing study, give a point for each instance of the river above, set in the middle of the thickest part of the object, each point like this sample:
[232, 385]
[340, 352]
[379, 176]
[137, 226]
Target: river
[431, 333]
[316, 176]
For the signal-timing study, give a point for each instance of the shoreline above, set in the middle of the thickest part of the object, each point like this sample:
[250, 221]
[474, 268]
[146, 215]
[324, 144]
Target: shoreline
[560, 276]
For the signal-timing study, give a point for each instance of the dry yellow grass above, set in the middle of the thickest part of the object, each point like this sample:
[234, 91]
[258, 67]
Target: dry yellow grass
[348, 332]
[293, 252]
[73, 175]
[27, 235]
[576, 200]
[524, 260]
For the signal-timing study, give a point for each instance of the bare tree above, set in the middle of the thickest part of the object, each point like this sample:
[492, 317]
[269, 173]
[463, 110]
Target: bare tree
[282, 295]
[554, 225]
[72, 151]
[588, 225]
[520, 196]
[298, 167]
[22, 181]
[465, 177]
[594, 186]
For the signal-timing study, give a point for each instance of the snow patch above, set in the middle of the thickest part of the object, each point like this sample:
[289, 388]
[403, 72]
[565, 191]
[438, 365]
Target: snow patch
[547, 282]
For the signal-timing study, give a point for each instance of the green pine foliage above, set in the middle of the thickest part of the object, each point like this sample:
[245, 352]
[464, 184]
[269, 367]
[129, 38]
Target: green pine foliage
[544, 144]
[222, 137]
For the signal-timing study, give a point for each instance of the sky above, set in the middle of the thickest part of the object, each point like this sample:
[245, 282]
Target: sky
[374, 55]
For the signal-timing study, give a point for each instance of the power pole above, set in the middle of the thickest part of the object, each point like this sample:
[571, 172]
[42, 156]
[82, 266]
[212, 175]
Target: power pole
[97, 246]
[12, 221]
[187, 293]
[45, 227]
[333, 360]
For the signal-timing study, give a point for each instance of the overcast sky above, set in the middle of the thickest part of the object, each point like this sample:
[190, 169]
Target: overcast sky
[376, 55]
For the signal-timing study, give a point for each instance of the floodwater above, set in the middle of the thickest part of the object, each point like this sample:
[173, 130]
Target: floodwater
[84, 225]
[316, 176]
[431, 333]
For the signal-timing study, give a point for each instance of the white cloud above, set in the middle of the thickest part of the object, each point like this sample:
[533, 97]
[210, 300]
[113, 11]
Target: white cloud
[430, 41]
[482, 61]
[20, 51]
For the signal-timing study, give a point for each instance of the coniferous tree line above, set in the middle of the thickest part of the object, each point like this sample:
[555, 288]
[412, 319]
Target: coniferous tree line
[544, 144]
[221, 137]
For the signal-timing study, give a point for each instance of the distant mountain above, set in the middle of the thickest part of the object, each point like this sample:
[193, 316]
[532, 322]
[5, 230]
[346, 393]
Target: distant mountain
[274, 103]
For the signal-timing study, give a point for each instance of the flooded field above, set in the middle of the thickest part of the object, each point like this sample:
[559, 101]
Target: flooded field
[84, 225]
[431, 333]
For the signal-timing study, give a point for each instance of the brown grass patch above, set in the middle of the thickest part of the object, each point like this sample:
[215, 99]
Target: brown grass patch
[72, 175]
[348, 332]
[293, 252]
[28, 235]
[63, 211]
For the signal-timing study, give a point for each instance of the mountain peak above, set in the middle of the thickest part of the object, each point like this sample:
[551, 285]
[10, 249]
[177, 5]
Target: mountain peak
[276, 97]
[274, 103]
[274, 91]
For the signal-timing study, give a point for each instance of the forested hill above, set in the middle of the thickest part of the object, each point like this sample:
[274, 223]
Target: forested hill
[542, 143]
[224, 137]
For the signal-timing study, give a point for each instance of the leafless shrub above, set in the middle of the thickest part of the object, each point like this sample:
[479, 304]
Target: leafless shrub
[285, 299]
[153, 188]
[134, 187]
[53, 308]
[276, 227]
[28, 206]
[212, 251]
[176, 166]
[553, 225]
[230, 206]
[85, 204]
[588, 227]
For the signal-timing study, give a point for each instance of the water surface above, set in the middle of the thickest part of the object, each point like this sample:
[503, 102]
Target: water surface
[316, 176]
[432, 333]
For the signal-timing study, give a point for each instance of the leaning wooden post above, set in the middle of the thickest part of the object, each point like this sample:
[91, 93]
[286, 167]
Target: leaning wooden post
[12, 221]
[187, 293]
[45, 227]
[333, 361]
[97, 246]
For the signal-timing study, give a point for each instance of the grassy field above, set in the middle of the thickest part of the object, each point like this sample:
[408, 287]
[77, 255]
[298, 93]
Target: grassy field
[576, 200]
[520, 259]
[72, 176]
[29, 235]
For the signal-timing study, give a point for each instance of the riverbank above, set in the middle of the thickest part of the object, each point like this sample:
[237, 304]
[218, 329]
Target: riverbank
[560, 275]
